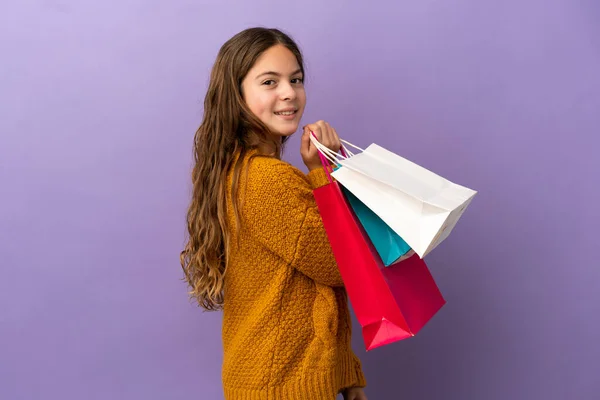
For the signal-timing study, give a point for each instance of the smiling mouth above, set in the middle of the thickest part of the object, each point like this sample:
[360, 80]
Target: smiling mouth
[286, 112]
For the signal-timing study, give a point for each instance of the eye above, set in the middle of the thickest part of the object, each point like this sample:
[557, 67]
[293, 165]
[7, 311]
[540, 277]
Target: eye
[298, 80]
[269, 82]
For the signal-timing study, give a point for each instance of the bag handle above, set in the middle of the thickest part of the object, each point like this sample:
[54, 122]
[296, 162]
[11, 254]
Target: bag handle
[323, 157]
[351, 145]
[346, 153]
[324, 152]
[328, 153]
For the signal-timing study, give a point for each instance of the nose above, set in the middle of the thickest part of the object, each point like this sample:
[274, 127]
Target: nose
[288, 92]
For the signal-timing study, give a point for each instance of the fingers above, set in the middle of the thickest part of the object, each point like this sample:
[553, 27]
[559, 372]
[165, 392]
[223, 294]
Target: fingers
[305, 142]
[337, 144]
[308, 151]
[325, 134]
[317, 128]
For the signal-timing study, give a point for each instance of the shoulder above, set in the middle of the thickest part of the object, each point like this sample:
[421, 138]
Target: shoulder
[273, 173]
[275, 187]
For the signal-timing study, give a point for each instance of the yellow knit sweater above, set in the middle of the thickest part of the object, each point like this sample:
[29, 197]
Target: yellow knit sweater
[286, 324]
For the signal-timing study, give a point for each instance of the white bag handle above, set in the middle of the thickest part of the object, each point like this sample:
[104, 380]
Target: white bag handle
[324, 154]
[351, 145]
[349, 153]
[327, 152]
[331, 155]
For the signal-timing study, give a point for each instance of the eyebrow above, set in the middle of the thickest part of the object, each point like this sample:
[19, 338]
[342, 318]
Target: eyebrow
[277, 73]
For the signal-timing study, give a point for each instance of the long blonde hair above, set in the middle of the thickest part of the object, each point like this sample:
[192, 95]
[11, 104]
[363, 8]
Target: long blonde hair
[228, 129]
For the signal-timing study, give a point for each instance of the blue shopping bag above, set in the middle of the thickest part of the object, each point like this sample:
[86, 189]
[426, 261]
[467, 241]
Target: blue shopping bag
[390, 246]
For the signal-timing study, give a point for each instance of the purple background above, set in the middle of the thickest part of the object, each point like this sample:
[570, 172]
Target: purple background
[99, 104]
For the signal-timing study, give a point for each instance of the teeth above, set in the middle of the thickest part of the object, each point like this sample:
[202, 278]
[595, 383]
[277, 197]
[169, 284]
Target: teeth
[286, 113]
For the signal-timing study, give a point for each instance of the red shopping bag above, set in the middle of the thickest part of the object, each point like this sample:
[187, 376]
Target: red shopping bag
[391, 303]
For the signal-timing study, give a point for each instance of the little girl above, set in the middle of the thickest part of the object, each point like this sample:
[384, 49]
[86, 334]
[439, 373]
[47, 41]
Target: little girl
[257, 248]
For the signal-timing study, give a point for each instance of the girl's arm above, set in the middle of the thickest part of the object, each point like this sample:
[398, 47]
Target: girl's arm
[279, 210]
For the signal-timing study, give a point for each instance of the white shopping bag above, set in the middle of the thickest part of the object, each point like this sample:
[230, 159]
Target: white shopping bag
[419, 205]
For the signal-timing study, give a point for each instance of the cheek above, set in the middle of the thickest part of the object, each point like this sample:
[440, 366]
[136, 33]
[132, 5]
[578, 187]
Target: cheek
[252, 102]
[260, 103]
[302, 98]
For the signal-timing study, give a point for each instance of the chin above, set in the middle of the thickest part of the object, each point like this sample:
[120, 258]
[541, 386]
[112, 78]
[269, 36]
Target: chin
[288, 131]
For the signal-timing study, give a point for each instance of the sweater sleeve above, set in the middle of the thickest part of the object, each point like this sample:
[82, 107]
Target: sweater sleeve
[280, 212]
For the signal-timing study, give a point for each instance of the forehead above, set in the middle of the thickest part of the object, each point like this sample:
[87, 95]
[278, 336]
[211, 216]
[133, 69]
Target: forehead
[277, 59]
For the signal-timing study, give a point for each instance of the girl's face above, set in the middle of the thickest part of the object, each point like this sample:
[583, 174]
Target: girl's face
[274, 90]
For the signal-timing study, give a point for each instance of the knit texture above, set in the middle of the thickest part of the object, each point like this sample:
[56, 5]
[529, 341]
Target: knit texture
[286, 324]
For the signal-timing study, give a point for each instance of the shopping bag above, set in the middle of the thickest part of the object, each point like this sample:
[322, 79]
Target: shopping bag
[419, 205]
[389, 245]
[390, 303]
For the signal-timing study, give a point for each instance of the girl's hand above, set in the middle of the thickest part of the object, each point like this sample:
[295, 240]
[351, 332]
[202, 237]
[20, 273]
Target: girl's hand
[354, 393]
[326, 135]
